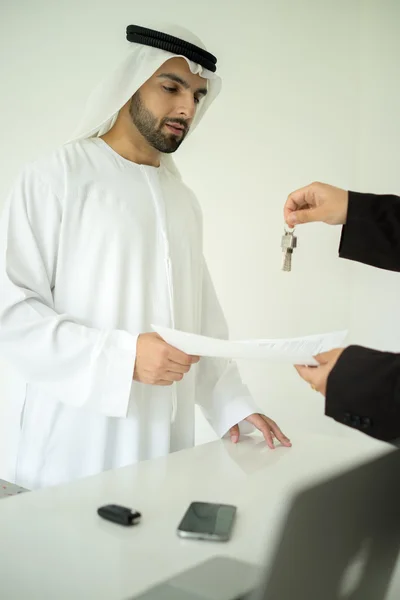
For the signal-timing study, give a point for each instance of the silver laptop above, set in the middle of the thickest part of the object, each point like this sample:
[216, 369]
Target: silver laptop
[340, 541]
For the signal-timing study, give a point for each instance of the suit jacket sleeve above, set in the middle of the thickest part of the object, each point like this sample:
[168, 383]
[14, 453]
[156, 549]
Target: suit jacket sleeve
[363, 392]
[363, 388]
[372, 231]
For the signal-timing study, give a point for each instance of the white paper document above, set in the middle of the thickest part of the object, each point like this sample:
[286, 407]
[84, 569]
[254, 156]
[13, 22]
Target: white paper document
[298, 351]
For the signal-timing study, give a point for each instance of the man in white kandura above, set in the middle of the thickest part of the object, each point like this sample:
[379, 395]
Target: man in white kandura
[99, 240]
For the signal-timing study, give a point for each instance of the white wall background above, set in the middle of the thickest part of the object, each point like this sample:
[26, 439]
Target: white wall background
[311, 92]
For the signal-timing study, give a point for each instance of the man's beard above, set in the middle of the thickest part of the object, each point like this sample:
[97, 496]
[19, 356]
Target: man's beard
[147, 125]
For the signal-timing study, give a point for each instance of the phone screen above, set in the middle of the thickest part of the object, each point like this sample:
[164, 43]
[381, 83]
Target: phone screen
[203, 519]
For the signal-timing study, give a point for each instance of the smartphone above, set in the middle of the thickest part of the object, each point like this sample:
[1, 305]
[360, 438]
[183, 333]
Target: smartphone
[207, 521]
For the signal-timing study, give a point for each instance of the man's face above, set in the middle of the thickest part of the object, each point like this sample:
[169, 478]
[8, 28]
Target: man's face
[164, 107]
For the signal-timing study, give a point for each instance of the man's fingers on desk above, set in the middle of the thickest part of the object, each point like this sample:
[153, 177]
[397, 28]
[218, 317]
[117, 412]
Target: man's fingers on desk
[269, 429]
[277, 432]
[234, 433]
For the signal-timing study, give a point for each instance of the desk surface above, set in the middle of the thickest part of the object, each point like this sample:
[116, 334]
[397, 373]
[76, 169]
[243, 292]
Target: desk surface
[55, 546]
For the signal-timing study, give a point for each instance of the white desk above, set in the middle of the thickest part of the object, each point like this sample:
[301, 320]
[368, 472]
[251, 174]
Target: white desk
[53, 545]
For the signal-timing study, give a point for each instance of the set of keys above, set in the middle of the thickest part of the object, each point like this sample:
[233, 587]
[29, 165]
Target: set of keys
[288, 244]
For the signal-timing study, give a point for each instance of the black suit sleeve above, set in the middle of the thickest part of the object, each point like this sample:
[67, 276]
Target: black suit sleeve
[372, 231]
[363, 391]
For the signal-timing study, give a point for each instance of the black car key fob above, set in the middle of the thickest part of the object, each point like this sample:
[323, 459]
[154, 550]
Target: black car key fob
[119, 514]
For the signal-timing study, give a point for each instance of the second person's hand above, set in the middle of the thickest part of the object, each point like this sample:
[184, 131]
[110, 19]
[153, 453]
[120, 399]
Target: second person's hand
[316, 202]
[317, 377]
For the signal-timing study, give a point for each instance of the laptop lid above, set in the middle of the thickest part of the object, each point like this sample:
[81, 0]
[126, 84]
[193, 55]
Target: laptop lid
[341, 537]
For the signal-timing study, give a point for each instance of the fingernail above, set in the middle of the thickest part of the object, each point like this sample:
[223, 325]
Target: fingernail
[235, 439]
[292, 220]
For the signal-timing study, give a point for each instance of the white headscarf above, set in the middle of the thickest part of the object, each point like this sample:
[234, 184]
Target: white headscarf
[140, 63]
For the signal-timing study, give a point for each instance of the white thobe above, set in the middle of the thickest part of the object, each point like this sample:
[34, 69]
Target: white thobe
[94, 249]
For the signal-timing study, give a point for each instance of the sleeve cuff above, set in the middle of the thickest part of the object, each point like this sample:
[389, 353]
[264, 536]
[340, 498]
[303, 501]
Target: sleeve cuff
[233, 412]
[358, 211]
[115, 380]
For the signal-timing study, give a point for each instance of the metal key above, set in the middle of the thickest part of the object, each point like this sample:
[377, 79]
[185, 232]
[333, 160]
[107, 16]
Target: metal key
[289, 242]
